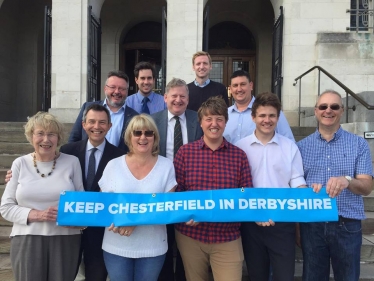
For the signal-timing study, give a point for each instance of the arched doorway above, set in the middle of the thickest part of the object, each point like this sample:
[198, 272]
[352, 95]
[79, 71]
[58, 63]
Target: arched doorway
[232, 47]
[142, 43]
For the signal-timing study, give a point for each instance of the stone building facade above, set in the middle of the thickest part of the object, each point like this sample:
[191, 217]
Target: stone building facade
[237, 33]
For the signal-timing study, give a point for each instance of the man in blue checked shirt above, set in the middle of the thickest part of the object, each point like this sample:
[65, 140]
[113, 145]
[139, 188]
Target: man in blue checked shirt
[341, 161]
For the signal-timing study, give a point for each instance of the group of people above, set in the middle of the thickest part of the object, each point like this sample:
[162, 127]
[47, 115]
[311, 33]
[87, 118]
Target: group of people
[187, 140]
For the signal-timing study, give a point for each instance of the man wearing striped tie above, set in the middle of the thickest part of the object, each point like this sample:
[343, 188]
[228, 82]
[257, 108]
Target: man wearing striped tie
[177, 125]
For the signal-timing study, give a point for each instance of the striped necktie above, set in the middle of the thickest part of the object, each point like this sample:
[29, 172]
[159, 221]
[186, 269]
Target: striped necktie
[178, 140]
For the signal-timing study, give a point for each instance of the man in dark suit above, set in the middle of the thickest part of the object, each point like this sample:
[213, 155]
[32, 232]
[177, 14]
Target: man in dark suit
[172, 122]
[116, 88]
[96, 122]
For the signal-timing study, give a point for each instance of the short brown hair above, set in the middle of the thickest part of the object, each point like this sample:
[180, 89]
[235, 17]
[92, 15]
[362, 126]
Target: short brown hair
[143, 65]
[140, 122]
[266, 99]
[201, 53]
[46, 121]
[215, 106]
[119, 74]
[176, 82]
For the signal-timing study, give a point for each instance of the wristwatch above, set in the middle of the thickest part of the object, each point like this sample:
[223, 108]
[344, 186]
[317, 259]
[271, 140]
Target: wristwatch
[349, 179]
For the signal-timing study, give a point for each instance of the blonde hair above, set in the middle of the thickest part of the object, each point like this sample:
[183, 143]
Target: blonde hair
[142, 122]
[201, 53]
[47, 122]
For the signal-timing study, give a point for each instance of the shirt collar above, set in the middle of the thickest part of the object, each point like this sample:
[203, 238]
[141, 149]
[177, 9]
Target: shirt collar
[141, 97]
[235, 108]
[171, 116]
[224, 144]
[253, 139]
[106, 105]
[100, 147]
[337, 134]
[203, 85]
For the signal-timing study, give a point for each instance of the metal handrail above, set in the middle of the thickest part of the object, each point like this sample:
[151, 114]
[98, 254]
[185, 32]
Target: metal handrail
[344, 87]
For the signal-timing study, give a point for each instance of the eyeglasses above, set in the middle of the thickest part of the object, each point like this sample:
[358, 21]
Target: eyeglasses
[147, 134]
[113, 88]
[333, 106]
[42, 135]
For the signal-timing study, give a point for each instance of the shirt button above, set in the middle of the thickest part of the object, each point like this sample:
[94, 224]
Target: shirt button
[328, 169]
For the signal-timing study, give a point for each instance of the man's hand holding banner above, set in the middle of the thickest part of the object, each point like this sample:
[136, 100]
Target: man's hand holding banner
[224, 205]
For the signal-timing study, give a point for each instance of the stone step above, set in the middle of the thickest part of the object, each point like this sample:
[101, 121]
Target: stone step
[368, 223]
[15, 148]
[13, 136]
[6, 160]
[369, 202]
[301, 132]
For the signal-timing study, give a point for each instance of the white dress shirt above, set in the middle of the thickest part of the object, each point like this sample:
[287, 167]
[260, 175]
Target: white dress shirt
[98, 154]
[275, 164]
[170, 133]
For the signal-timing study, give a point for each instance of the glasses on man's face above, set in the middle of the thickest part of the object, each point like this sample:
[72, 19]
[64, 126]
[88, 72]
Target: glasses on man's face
[113, 88]
[41, 135]
[147, 134]
[333, 106]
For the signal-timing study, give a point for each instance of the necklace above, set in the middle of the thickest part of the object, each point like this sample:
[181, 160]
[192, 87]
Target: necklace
[36, 166]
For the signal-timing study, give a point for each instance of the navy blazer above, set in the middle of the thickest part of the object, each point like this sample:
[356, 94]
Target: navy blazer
[78, 133]
[78, 149]
[194, 131]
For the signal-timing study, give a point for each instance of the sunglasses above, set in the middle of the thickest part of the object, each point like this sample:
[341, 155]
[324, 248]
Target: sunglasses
[332, 106]
[147, 134]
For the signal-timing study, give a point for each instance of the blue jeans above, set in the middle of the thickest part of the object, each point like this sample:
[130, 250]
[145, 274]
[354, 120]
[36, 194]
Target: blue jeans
[338, 241]
[130, 269]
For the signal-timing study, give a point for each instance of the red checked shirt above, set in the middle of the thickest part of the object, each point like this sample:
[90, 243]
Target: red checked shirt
[197, 167]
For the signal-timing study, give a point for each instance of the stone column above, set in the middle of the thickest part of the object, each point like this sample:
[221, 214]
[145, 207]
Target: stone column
[184, 36]
[69, 57]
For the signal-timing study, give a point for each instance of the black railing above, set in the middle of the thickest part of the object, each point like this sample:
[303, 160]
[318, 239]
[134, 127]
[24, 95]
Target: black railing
[340, 84]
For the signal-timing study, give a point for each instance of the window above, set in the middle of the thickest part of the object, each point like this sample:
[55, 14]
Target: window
[361, 12]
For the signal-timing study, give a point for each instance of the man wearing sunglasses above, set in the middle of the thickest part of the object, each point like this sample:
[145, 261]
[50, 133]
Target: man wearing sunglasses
[176, 99]
[341, 162]
[240, 122]
[116, 87]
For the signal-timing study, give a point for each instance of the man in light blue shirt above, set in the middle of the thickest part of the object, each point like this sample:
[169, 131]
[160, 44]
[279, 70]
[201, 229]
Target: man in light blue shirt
[240, 122]
[145, 100]
[116, 87]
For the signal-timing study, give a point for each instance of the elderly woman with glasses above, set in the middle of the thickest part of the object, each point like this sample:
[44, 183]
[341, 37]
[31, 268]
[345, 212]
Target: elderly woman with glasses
[137, 252]
[41, 250]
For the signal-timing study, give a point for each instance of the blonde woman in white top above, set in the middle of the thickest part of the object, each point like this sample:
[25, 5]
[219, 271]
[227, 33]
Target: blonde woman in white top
[137, 253]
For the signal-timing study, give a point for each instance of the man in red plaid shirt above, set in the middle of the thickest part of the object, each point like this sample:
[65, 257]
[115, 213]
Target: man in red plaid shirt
[211, 163]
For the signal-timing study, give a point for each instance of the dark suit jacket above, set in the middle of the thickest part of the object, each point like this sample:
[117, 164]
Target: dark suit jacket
[78, 149]
[194, 131]
[78, 133]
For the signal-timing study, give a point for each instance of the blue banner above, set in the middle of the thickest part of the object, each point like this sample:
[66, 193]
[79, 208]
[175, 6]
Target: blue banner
[224, 205]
